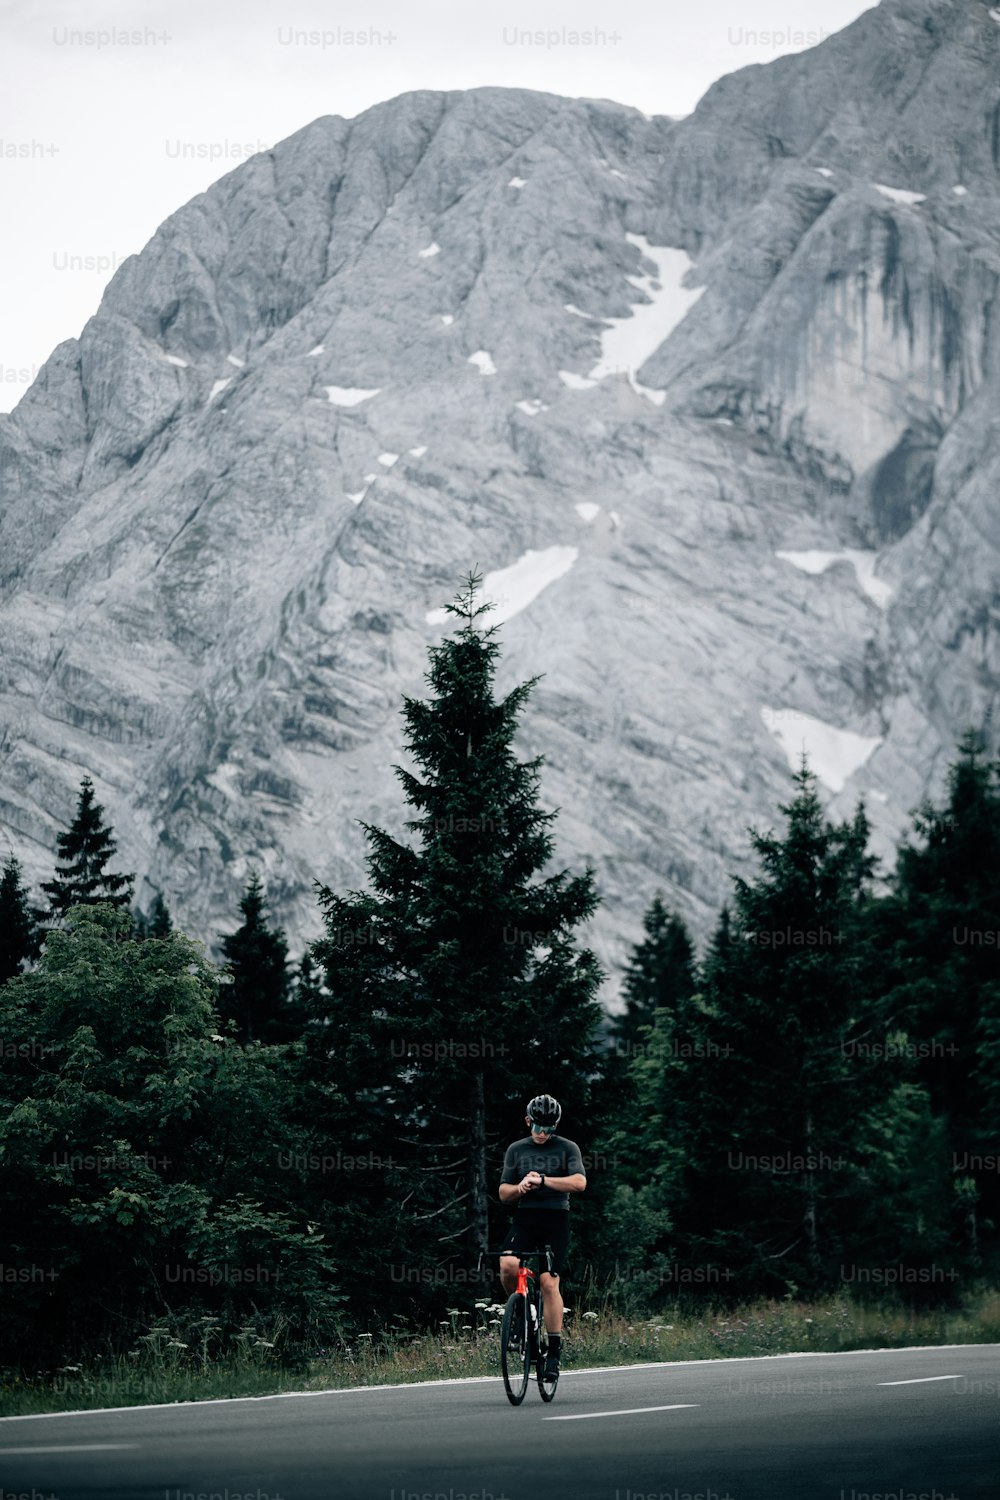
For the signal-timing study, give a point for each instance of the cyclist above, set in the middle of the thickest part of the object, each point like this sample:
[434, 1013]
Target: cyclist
[539, 1173]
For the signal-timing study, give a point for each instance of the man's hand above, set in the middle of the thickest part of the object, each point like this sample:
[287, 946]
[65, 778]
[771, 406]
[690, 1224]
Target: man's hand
[528, 1181]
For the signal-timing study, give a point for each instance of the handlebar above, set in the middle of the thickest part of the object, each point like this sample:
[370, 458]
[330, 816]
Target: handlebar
[524, 1255]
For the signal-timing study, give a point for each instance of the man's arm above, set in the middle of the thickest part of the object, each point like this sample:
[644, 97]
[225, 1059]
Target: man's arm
[576, 1183]
[512, 1187]
[511, 1190]
[575, 1180]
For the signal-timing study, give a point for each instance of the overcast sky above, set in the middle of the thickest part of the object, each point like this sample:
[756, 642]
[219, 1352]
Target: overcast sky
[94, 126]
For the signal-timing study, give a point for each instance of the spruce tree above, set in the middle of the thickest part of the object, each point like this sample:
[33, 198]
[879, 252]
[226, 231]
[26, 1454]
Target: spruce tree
[457, 988]
[82, 877]
[941, 929]
[628, 1200]
[159, 922]
[19, 935]
[794, 1087]
[310, 996]
[256, 998]
[660, 973]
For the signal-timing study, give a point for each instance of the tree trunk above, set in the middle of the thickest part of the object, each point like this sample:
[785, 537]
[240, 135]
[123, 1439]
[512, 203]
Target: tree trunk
[478, 1201]
[809, 1216]
[972, 1232]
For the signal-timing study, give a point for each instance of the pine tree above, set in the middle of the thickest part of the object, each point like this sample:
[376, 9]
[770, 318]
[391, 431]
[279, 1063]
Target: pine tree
[159, 923]
[660, 973]
[627, 1201]
[791, 1070]
[456, 987]
[310, 996]
[257, 957]
[941, 929]
[19, 936]
[82, 877]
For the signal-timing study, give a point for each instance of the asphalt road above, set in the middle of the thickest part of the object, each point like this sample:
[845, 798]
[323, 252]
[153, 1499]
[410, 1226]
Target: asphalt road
[920, 1424]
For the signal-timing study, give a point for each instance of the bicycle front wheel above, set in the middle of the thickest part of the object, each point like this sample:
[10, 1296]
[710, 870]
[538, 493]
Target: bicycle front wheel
[546, 1389]
[515, 1348]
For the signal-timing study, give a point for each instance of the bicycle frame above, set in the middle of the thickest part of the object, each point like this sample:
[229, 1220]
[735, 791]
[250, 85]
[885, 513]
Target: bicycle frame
[530, 1346]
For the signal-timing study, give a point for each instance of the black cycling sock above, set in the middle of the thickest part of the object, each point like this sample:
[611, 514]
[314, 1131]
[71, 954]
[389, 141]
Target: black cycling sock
[555, 1343]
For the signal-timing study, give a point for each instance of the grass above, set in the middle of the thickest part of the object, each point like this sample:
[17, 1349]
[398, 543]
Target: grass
[165, 1369]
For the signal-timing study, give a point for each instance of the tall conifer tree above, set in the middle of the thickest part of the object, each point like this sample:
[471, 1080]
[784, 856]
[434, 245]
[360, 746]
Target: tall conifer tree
[257, 957]
[457, 987]
[941, 929]
[660, 973]
[82, 877]
[19, 936]
[798, 1097]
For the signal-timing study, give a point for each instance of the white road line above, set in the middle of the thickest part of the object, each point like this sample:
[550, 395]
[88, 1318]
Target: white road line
[920, 1380]
[632, 1411]
[69, 1448]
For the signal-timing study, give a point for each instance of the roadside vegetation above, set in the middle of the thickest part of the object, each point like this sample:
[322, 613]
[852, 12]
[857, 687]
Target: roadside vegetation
[167, 1368]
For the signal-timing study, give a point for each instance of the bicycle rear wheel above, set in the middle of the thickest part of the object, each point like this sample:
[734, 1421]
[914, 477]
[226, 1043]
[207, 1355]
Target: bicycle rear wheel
[515, 1348]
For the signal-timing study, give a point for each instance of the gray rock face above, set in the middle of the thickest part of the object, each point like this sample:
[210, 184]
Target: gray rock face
[631, 360]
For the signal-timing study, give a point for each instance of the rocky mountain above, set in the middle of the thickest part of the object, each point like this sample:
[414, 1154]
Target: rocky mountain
[714, 403]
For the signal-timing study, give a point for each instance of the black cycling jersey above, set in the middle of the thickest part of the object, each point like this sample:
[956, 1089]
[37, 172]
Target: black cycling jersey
[558, 1157]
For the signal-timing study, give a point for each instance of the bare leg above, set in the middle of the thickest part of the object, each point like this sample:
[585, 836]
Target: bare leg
[552, 1299]
[508, 1273]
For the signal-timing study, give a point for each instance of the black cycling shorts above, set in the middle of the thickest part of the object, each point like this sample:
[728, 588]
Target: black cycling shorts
[534, 1229]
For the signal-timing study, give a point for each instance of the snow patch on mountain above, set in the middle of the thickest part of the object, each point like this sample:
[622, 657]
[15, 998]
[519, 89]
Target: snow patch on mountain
[239, 363]
[518, 182]
[483, 362]
[576, 382]
[349, 395]
[513, 588]
[222, 778]
[388, 459]
[833, 754]
[432, 249]
[862, 561]
[175, 359]
[587, 510]
[531, 407]
[629, 342]
[898, 195]
[313, 352]
[217, 386]
[656, 397]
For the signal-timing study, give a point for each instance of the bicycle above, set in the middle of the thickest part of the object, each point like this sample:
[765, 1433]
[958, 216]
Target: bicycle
[522, 1334]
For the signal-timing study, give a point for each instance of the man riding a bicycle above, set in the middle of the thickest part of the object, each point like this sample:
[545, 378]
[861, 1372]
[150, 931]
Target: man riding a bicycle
[539, 1173]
